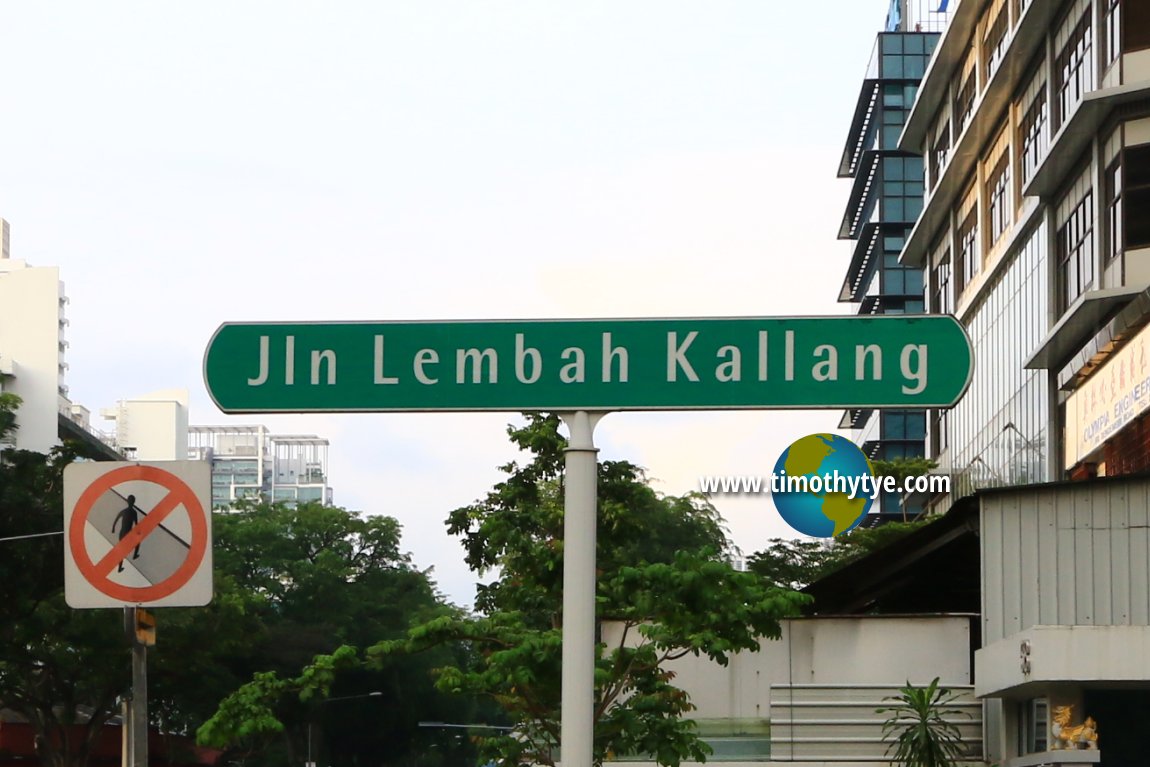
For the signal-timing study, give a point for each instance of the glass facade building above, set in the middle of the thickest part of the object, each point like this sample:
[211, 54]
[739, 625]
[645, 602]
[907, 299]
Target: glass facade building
[886, 199]
[250, 462]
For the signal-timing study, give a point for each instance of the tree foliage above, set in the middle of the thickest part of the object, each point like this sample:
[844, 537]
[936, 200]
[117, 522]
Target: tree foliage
[290, 583]
[664, 586]
[799, 562]
[901, 469]
[295, 584]
[665, 591]
[61, 669]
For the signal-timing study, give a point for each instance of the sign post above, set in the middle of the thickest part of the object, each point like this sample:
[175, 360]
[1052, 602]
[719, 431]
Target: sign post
[584, 369]
[137, 534]
[139, 707]
[580, 495]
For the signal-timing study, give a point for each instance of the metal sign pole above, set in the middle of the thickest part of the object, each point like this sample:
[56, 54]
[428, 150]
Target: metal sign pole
[137, 722]
[577, 728]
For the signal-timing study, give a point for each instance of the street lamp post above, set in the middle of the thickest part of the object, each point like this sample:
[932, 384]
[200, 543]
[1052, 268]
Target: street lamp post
[467, 726]
[463, 726]
[311, 724]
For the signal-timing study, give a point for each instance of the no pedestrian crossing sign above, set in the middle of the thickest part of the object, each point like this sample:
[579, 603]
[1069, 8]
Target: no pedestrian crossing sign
[137, 534]
[595, 365]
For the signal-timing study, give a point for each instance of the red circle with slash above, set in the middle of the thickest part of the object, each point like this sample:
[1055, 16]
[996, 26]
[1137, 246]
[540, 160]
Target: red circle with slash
[179, 494]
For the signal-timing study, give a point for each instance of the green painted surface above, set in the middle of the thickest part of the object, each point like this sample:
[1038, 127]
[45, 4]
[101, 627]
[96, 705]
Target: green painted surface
[666, 364]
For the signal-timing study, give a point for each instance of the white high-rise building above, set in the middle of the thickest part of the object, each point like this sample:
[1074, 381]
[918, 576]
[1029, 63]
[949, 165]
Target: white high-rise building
[32, 348]
[153, 427]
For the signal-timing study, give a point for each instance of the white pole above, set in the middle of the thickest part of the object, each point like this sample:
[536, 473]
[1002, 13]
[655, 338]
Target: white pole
[577, 728]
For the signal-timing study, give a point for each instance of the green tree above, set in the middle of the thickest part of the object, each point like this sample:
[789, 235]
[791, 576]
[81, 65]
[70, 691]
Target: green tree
[900, 469]
[663, 582]
[60, 668]
[797, 563]
[294, 583]
[922, 735]
[9, 404]
[289, 583]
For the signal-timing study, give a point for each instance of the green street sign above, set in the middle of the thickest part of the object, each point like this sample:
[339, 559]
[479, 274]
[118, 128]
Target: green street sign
[603, 365]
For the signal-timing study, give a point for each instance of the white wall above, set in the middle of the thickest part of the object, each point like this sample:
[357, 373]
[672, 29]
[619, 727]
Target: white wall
[154, 425]
[31, 311]
[1060, 654]
[865, 650]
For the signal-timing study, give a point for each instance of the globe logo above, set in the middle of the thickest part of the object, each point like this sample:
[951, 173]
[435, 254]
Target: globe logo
[820, 505]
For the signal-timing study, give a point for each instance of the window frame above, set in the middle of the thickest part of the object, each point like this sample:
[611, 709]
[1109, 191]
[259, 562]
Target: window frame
[1074, 252]
[1074, 69]
[1032, 141]
[969, 255]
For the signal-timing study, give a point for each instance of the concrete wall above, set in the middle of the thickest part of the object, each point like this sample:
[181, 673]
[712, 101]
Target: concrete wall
[31, 314]
[820, 683]
[847, 651]
[1061, 654]
[841, 651]
[154, 426]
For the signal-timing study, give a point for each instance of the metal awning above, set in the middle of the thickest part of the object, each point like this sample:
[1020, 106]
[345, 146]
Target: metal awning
[861, 202]
[856, 418]
[1085, 318]
[861, 269]
[861, 126]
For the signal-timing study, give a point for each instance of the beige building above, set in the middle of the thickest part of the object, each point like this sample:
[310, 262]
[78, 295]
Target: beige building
[1034, 121]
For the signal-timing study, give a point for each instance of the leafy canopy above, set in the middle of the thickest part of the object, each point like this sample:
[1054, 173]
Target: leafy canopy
[665, 590]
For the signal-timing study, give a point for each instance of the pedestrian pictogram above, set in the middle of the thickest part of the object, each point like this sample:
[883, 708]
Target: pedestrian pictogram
[137, 534]
[127, 519]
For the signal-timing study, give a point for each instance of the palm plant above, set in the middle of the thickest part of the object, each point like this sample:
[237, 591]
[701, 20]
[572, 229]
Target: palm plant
[923, 737]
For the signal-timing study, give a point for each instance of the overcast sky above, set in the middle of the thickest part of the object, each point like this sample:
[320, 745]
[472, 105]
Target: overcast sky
[187, 164]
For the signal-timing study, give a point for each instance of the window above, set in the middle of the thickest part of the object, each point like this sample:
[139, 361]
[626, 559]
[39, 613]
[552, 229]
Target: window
[310, 494]
[995, 43]
[939, 432]
[1136, 178]
[964, 101]
[904, 56]
[1135, 26]
[1074, 245]
[904, 425]
[284, 494]
[941, 299]
[1113, 29]
[902, 188]
[998, 197]
[899, 449]
[1113, 198]
[939, 154]
[1073, 70]
[905, 306]
[896, 100]
[903, 281]
[1032, 726]
[969, 262]
[1032, 136]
